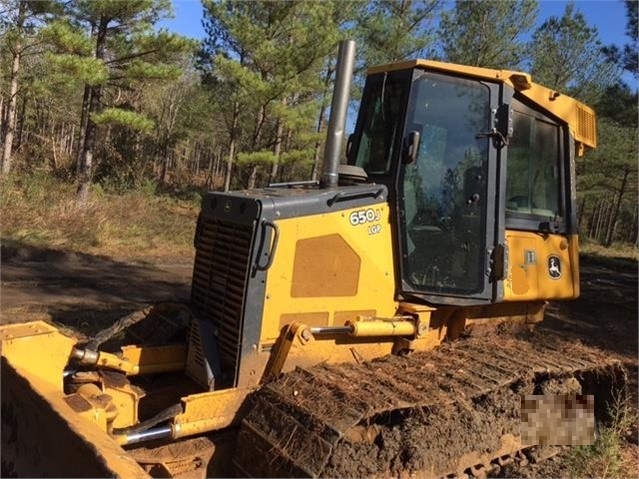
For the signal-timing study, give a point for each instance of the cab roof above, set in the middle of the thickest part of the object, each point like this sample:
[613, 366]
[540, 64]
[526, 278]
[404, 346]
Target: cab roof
[579, 117]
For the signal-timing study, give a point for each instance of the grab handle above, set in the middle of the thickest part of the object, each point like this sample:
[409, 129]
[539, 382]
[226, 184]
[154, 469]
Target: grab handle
[270, 254]
[351, 195]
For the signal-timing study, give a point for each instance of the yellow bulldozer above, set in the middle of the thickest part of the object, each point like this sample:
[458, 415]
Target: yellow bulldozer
[332, 329]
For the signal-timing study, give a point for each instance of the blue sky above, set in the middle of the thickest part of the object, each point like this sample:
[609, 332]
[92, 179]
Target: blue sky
[609, 16]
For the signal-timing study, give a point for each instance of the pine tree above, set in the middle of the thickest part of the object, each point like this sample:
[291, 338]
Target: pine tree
[112, 46]
[268, 56]
[20, 36]
[567, 56]
[487, 33]
[608, 175]
[393, 31]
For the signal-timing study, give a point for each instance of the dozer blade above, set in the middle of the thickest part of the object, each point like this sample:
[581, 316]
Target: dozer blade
[451, 411]
[43, 437]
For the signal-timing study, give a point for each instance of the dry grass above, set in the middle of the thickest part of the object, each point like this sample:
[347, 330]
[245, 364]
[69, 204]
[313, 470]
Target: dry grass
[617, 250]
[38, 210]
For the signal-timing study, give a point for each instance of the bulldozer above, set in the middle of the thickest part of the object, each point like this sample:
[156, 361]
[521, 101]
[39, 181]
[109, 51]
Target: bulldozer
[337, 328]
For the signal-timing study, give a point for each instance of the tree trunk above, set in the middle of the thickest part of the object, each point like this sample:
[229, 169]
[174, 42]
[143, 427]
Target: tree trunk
[615, 212]
[209, 174]
[580, 212]
[277, 149]
[594, 225]
[2, 116]
[252, 177]
[86, 100]
[85, 167]
[164, 164]
[21, 122]
[320, 122]
[632, 232]
[13, 91]
[232, 142]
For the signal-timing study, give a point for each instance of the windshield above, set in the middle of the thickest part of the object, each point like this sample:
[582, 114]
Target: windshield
[444, 192]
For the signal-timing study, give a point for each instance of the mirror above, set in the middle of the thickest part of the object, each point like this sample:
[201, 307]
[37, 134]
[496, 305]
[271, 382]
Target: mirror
[349, 145]
[412, 149]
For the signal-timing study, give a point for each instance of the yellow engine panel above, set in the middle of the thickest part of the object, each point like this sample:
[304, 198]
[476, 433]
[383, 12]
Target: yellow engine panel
[329, 269]
[541, 267]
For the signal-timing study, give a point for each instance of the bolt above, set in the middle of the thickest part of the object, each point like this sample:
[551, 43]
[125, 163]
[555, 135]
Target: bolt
[306, 334]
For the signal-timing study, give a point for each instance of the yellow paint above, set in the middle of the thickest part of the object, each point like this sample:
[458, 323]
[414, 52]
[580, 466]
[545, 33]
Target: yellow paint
[369, 243]
[126, 399]
[54, 420]
[531, 252]
[208, 411]
[23, 344]
[382, 328]
[155, 359]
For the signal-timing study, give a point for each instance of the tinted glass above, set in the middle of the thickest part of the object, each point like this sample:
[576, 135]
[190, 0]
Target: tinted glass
[533, 176]
[444, 193]
[381, 110]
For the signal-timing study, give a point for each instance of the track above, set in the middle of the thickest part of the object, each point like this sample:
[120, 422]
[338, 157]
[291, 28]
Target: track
[450, 412]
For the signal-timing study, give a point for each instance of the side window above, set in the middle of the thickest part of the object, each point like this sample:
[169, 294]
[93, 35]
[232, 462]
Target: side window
[533, 182]
[381, 107]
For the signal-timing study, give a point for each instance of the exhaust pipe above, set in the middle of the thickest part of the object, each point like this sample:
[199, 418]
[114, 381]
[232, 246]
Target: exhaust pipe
[339, 109]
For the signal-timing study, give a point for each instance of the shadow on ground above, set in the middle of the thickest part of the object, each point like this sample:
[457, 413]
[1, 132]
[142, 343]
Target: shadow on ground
[83, 291]
[605, 315]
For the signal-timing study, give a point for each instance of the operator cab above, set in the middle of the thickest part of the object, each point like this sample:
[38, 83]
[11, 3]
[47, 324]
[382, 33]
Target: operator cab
[465, 156]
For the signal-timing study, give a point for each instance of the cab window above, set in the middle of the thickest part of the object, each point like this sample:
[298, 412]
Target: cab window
[533, 179]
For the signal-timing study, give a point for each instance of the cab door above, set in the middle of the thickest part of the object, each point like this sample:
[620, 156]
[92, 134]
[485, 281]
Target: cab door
[447, 198]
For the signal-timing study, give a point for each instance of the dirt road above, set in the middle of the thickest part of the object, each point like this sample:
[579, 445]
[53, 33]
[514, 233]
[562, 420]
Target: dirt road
[82, 291]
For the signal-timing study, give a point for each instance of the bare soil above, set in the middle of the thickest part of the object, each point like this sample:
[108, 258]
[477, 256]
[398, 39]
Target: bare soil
[87, 293]
[83, 292]
[606, 317]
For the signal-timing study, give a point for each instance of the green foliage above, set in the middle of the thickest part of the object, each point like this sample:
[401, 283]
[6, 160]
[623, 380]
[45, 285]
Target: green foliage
[608, 183]
[67, 39]
[122, 117]
[568, 57]
[395, 31]
[69, 67]
[140, 70]
[487, 33]
[256, 158]
[265, 65]
[303, 157]
[260, 97]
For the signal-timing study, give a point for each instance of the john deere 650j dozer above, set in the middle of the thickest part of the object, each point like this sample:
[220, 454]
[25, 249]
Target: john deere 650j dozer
[312, 305]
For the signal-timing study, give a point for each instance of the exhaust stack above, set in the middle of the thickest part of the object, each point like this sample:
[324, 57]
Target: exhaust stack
[339, 108]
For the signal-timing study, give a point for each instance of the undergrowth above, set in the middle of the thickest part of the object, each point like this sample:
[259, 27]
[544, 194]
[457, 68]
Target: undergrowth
[39, 210]
[606, 458]
[616, 250]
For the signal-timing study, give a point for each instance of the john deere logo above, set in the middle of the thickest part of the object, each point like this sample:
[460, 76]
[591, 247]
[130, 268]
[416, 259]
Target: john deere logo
[227, 206]
[554, 267]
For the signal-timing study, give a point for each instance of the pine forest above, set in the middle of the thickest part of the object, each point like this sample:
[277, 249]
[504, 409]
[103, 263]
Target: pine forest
[97, 97]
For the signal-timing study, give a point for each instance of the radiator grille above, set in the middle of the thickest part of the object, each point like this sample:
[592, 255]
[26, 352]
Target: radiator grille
[586, 129]
[219, 286]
